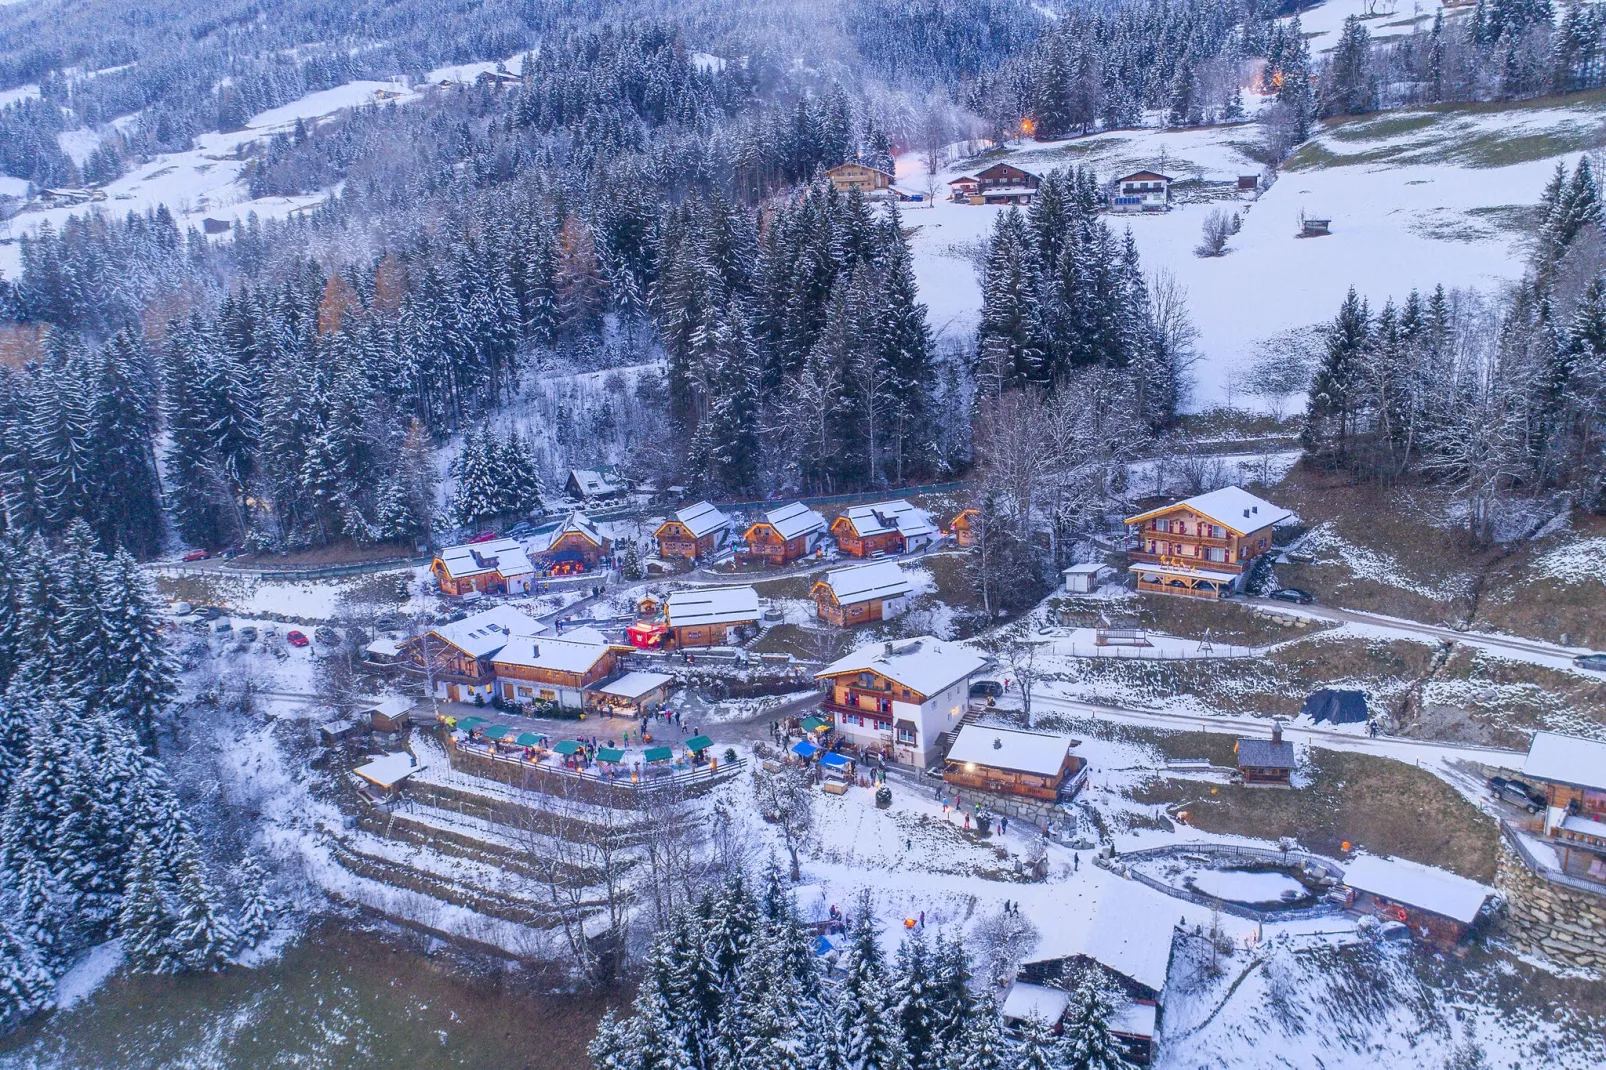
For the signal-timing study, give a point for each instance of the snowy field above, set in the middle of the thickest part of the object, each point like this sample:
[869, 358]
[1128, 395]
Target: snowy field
[1416, 199]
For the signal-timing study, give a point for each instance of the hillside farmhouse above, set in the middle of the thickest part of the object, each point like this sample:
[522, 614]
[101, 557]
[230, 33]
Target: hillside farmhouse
[696, 533]
[1004, 183]
[1202, 547]
[1572, 773]
[595, 484]
[783, 535]
[900, 699]
[895, 527]
[1141, 191]
[457, 657]
[496, 566]
[1038, 765]
[862, 593]
[847, 177]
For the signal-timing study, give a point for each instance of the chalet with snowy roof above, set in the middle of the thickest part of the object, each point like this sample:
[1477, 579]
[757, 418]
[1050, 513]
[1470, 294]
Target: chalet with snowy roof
[595, 484]
[576, 546]
[783, 535]
[900, 699]
[962, 188]
[496, 566]
[1571, 771]
[1440, 907]
[711, 616]
[895, 527]
[862, 593]
[390, 714]
[1004, 183]
[696, 533]
[964, 527]
[1141, 191]
[1037, 765]
[847, 177]
[631, 694]
[1204, 546]
[1266, 762]
[532, 669]
[382, 775]
[1117, 939]
[457, 657]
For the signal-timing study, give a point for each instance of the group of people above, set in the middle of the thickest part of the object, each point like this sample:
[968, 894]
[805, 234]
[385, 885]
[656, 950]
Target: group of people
[976, 810]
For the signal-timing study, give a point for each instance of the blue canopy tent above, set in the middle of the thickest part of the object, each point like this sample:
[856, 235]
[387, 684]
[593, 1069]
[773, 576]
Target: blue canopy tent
[804, 749]
[837, 763]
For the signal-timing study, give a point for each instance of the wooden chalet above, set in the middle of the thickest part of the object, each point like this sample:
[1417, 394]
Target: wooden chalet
[390, 714]
[545, 669]
[457, 657]
[847, 177]
[1131, 967]
[1203, 546]
[1141, 191]
[631, 694]
[1004, 183]
[964, 527]
[899, 699]
[1571, 771]
[696, 533]
[711, 616]
[383, 776]
[1038, 765]
[595, 484]
[862, 593]
[496, 566]
[1266, 763]
[576, 546]
[895, 527]
[962, 188]
[783, 535]
[1440, 907]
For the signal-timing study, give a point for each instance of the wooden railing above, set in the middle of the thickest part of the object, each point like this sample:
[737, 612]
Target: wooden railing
[1544, 871]
[647, 781]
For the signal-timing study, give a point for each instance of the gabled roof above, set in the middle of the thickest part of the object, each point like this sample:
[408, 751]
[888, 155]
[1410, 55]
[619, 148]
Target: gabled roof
[578, 523]
[702, 519]
[1000, 169]
[593, 481]
[633, 685]
[1038, 753]
[483, 634]
[856, 163]
[1232, 507]
[393, 706]
[1413, 884]
[865, 583]
[554, 655]
[883, 517]
[1571, 760]
[1118, 926]
[1145, 176]
[791, 521]
[1264, 754]
[926, 664]
[1045, 1004]
[961, 179]
[388, 770]
[503, 556]
[711, 605]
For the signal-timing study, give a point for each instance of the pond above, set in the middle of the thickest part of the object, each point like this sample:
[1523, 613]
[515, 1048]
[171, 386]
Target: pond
[1250, 887]
[339, 997]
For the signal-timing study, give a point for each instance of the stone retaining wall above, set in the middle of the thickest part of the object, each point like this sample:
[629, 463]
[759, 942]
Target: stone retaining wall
[1548, 919]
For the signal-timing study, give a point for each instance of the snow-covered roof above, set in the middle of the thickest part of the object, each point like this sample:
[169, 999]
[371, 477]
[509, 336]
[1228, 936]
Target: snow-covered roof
[1265, 754]
[1584, 826]
[701, 519]
[1184, 571]
[790, 521]
[1232, 507]
[392, 706]
[592, 482]
[488, 631]
[388, 770]
[1144, 176]
[1413, 884]
[1038, 753]
[634, 684]
[864, 583]
[584, 634]
[1117, 929]
[1027, 1000]
[924, 664]
[1566, 760]
[1135, 1019]
[882, 517]
[504, 556]
[1090, 568]
[576, 522]
[383, 647]
[711, 605]
[554, 655]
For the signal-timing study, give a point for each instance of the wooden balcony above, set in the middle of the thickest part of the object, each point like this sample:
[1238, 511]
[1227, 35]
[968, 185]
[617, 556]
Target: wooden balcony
[1143, 557]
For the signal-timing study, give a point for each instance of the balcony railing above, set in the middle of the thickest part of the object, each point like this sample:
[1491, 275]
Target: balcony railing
[1143, 557]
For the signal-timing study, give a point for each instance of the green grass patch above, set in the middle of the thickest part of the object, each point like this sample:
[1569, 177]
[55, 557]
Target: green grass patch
[1379, 128]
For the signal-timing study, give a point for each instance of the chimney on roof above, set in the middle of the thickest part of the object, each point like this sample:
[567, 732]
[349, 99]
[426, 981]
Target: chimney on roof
[1276, 731]
[889, 648]
[998, 744]
[1246, 512]
[1254, 509]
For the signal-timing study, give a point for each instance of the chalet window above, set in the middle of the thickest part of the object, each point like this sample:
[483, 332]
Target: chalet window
[1162, 525]
[1215, 553]
[906, 732]
[866, 679]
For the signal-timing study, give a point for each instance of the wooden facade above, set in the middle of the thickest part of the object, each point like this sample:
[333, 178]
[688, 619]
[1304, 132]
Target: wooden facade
[530, 683]
[850, 542]
[1425, 925]
[675, 540]
[456, 586]
[1203, 546]
[1004, 183]
[459, 676]
[591, 551]
[981, 777]
[762, 543]
[848, 177]
[723, 634]
[828, 609]
[964, 527]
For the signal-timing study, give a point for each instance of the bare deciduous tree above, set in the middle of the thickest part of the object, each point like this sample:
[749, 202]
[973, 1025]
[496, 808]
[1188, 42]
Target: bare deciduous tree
[786, 799]
[1218, 230]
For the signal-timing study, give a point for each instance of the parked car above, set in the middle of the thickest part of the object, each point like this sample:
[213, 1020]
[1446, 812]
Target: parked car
[519, 530]
[197, 555]
[232, 552]
[326, 635]
[1518, 793]
[209, 612]
[222, 626]
[391, 622]
[1593, 662]
[182, 609]
[296, 639]
[986, 689]
[484, 536]
[1293, 594]
[248, 633]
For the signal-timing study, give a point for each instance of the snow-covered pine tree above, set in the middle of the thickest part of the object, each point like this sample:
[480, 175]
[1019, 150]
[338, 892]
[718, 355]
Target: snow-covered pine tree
[982, 1044]
[201, 937]
[254, 919]
[26, 987]
[143, 676]
[864, 1018]
[145, 921]
[1087, 1043]
[1037, 1048]
[915, 1001]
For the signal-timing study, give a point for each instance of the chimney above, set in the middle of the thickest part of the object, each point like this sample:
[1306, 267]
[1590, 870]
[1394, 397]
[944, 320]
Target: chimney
[889, 648]
[1246, 512]
[1276, 731]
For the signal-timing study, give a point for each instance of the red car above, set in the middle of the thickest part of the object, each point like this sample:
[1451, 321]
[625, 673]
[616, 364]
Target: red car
[484, 536]
[296, 639]
[197, 555]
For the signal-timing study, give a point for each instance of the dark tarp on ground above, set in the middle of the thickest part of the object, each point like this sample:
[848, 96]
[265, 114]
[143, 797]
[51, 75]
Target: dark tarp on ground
[1339, 707]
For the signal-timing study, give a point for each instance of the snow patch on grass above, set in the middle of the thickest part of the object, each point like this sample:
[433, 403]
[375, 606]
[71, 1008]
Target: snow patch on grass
[1583, 561]
[1329, 548]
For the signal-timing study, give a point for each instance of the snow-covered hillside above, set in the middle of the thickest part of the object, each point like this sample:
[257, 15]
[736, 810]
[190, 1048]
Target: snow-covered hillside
[1417, 198]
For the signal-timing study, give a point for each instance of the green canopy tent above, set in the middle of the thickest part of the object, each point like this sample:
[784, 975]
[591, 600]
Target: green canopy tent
[610, 755]
[566, 747]
[495, 731]
[468, 724]
[813, 724]
[698, 744]
[529, 739]
[658, 754]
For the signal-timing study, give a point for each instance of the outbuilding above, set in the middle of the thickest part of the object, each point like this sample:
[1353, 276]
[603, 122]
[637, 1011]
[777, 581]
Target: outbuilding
[711, 616]
[1266, 763]
[390, 714]
[1439, 906]
[1038, 765]
[863, 593]
[382, 776]
[1084, 578]
[632, 694]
